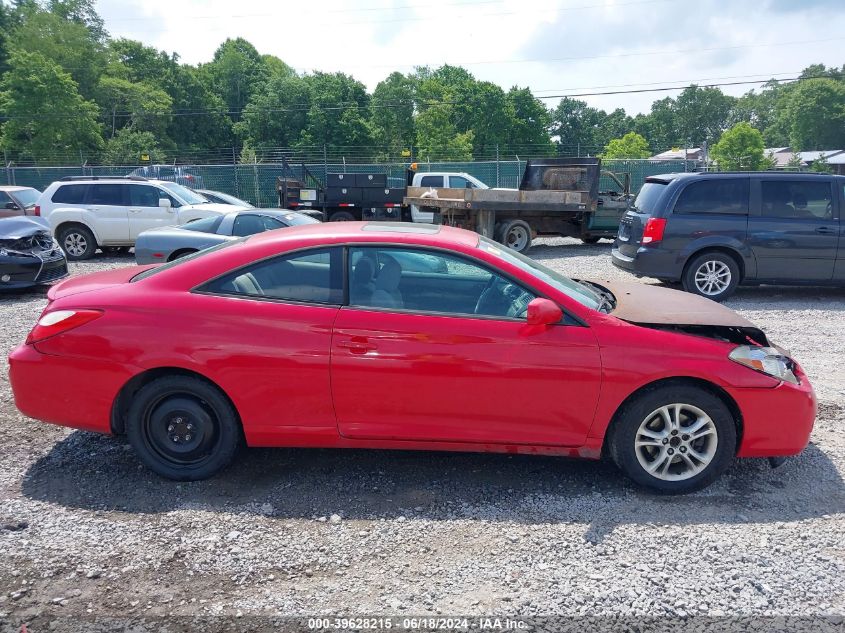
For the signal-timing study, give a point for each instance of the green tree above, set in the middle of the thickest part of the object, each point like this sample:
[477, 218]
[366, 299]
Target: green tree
[67, 42]
[339, 113]
[277, 115]
[632, 145]
[140, 106]
[237, 73]
[45, 112]
[530, 121]
[815, 115]
[740, 148]
[576, 125]
[701, 114]
[437, 138]
[392, 113]
[659, 125]
[128, 145]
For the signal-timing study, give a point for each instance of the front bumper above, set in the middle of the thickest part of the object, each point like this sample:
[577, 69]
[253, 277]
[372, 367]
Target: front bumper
[776, 422]
[73, 392]
[28, 270]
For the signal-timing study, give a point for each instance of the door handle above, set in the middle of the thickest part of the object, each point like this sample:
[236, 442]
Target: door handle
[357, 345]
[826, 230]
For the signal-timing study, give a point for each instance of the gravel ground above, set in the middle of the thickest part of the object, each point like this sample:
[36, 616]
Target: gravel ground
[90, 539]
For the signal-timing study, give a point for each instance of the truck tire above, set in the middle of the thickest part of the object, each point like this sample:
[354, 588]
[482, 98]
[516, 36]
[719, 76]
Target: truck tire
[341, 216]
[515, 234]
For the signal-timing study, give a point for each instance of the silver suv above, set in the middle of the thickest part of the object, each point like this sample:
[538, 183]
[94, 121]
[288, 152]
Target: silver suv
[109, 213]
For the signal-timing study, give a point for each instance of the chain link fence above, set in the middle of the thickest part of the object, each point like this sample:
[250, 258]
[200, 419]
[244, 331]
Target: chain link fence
[256, 183]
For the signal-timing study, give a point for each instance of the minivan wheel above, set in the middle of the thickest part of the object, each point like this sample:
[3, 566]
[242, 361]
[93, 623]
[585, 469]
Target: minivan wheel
[674, 439]
[183, 428]
[713, 275]
[77, 242]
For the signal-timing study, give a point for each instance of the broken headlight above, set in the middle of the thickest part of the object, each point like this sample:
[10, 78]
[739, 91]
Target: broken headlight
[766, 360]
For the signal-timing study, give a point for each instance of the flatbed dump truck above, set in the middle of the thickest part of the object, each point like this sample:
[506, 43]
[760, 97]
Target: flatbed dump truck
[557, 196]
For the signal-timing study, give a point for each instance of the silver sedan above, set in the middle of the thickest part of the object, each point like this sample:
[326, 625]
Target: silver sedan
[168, 243]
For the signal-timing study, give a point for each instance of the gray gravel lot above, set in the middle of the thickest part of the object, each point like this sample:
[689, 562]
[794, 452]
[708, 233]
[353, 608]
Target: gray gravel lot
[86, 532]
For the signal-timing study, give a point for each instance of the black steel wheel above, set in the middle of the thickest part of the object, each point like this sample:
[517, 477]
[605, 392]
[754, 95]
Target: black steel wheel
[183, 428]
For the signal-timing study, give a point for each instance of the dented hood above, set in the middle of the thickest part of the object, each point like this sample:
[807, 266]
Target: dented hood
[652, 305]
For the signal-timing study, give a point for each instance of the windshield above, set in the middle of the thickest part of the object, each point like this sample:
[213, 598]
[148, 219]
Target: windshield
[144, 274]
[185, 194]
[295, 219]
[648, 197]
[27, 197]
[571, 288]
[227, 199]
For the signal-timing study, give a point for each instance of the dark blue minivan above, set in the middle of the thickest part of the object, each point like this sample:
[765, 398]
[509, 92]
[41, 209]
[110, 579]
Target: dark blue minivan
[714, 231]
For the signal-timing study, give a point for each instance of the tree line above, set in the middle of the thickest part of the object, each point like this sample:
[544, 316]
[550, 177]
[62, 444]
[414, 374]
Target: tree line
[67, 88]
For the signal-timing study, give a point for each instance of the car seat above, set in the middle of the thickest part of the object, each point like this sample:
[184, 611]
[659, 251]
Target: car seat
[387, 294]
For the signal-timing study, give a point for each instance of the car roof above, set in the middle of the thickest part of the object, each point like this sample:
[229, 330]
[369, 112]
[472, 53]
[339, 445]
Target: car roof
[15, 188]
[379, 232]
[667, 178]
[273, 213]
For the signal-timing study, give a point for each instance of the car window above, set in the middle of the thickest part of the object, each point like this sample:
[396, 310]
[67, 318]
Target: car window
[4, 199]
[796, 199]
[248, 224]
[385, 277]
[69, 194]
[204, 225]
[190, 197]
[272, 223]
[431, 181]
[723, 195]
[111, 194]
[143, 196]
[313, 276]
[648, 197]
[459, 182]
[27, 197]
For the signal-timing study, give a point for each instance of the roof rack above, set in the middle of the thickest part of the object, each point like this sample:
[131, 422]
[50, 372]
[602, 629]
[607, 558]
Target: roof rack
[72, 178]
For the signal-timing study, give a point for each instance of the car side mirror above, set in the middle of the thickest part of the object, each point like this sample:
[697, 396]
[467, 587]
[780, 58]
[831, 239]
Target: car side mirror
[164, 203]
[12, 206]
[543, 312]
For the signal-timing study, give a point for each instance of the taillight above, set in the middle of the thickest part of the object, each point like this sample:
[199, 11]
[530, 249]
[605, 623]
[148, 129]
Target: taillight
[58, 321]
[653, 231]
[37, 209]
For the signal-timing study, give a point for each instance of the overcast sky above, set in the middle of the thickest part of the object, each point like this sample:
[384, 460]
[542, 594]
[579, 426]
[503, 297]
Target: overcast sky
[555, 47]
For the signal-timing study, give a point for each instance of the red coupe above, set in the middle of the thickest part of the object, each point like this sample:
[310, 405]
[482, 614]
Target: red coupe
[367, 335]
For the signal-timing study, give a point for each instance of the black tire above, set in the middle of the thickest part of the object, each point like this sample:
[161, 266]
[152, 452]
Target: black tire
[77, 242]
[115, 250]
[590, 240]
[515, 234]
[204, 423]
[642, 413]
[714, 275]
[341, 216]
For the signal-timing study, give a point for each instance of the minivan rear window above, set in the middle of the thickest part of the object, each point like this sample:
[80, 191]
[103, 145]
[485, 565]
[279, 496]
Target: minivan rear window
[647, 199]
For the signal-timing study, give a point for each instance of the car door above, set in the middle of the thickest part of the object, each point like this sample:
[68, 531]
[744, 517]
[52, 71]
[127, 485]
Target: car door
[144, 210]
[839, 267]
[794, 232]
[445, 355]
[267, 330]
[109, 216]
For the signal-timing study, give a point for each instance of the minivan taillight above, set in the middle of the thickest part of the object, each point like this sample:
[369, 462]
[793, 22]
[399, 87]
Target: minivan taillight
[58, 321]
[37, 209]
[653, 231]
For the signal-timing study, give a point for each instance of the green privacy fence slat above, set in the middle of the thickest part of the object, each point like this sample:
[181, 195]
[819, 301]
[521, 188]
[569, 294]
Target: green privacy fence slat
[257, 183]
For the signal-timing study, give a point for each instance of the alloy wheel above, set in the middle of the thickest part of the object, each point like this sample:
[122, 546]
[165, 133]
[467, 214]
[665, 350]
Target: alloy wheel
[712, 278]
[75, 244]
[676, 442]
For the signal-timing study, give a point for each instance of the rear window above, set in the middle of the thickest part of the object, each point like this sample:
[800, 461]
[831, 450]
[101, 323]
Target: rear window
[69, 194]
[205, 225]
[649, 196]
[722, 196]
